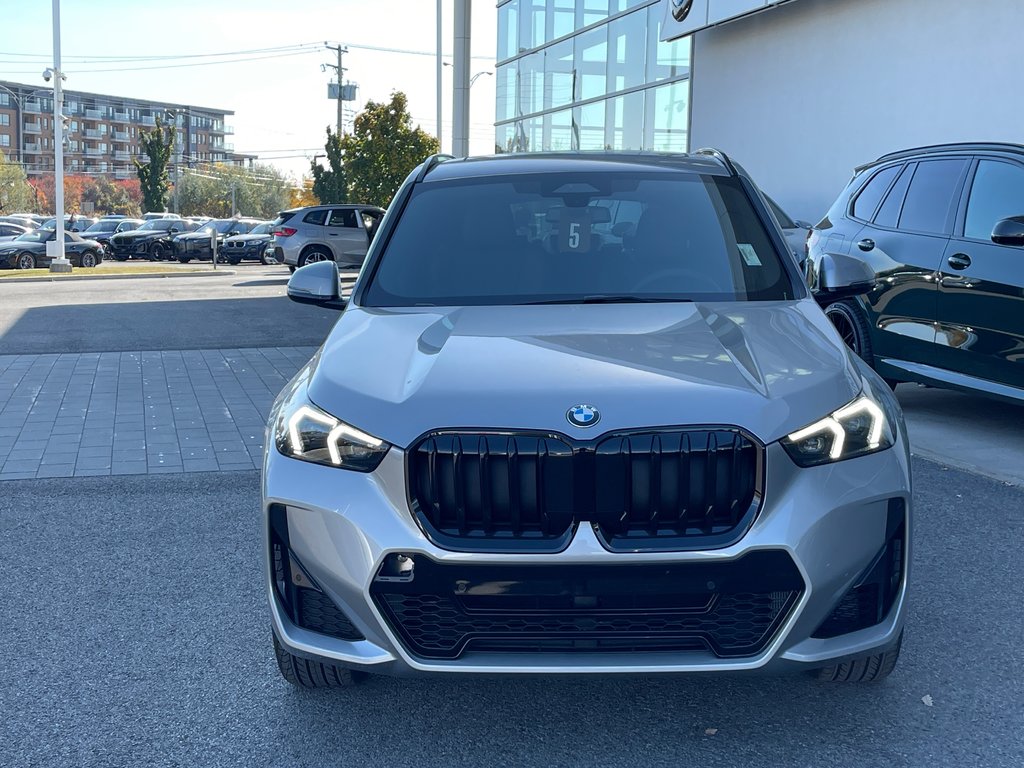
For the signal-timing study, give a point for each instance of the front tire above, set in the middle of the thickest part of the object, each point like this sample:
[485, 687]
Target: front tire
[25, 261]
[305, 673]
[158, 252]
[867, 669]
[87, 260]
[849, 320]
[184, 259]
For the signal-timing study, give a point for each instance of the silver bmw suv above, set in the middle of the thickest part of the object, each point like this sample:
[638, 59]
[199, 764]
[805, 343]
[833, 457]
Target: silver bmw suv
[338, 233]
[597, 425]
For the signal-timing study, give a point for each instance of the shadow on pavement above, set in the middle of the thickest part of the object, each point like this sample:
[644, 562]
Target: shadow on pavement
[271, 321]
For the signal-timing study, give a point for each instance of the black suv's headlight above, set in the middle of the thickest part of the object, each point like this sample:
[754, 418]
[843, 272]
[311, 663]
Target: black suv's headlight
[858, 428]
[304, 432]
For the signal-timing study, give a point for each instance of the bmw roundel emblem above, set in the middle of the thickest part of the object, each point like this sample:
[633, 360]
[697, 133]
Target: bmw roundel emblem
[681, 9]
[583, 415]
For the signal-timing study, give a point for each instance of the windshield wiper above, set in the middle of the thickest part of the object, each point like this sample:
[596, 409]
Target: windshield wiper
[616, 298]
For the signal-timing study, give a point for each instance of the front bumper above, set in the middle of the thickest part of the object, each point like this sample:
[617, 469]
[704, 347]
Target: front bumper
[831, 521]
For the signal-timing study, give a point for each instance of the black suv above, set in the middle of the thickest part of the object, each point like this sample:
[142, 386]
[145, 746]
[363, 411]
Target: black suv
[923, 255]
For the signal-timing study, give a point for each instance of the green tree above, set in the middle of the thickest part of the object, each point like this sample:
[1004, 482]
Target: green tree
[210, 189]
[383, 149]
[158, 144]
[16, 194]
[331, 185]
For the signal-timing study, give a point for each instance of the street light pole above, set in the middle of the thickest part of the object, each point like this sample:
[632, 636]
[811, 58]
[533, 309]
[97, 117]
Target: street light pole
[460, 100]
[59, 262]
[440, 77]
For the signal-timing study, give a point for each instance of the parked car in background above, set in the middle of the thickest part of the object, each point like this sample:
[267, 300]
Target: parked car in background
[931, 241]
[10, 231]
[796, 231]
[338, 233]
[199, 243]
[71, 223]
[21, 221]
[552, 452]
[28, 251]
[253, 245]
[152, 240]
[107, 227]
[159, 215]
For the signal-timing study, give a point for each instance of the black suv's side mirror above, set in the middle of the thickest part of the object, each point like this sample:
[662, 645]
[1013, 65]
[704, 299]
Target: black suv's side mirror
[837, 276]
[318, 283]
[1009, 231]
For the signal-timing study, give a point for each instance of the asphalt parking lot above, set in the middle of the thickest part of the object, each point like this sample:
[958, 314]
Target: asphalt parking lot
[136, 633]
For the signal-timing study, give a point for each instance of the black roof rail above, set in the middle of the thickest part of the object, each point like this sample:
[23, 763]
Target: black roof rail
[932, 149]
[719, 155]
[429, 163]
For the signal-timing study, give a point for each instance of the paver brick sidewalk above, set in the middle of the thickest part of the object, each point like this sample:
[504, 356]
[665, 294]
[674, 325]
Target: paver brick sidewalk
[118, 413]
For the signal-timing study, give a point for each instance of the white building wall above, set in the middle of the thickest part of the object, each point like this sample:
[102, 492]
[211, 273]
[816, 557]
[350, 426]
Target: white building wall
[803, 93]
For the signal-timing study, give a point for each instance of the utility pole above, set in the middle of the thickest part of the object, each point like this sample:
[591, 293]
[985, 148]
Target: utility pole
[460, 101]
[59, 262]
[440, 69]
[339, 49]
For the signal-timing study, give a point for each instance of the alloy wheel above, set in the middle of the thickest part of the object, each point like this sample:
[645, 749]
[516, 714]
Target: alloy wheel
[26, 261]
[846, 330]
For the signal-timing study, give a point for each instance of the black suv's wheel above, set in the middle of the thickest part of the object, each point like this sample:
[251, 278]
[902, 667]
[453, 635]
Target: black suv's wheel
[234, 260]
[304, 673]
[848, 318]
[158, 252]
[867, 669]
[314, 255]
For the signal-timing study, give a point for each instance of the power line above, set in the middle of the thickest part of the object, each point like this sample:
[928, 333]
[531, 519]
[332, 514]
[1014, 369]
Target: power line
[179, 66]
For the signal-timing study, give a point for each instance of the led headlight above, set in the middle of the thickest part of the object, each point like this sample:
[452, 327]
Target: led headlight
[856, 429]
[304, 432]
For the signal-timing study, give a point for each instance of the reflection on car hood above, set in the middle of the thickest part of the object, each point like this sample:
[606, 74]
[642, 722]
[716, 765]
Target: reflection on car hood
[137, 234]
[768, 367]
[248, 238]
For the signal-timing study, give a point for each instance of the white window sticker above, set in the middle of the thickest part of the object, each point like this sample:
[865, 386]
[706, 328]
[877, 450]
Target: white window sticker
[749, 254]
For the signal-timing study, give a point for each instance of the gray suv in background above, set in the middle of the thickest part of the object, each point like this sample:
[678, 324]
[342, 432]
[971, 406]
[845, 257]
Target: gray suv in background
[338, 233]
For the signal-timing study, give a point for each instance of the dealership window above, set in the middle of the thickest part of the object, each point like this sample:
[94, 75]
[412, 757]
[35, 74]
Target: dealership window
[928, 202]
[558, 67]
[561, 18]
[668, 116]
[591, 57]
[531, 84]
[505, 92]
[557, 128]
[627, 51]
[508, 30]
[997, 193]
[531, 23]
[665, 60]
[625, 121]
[590, 11]
[590, 119]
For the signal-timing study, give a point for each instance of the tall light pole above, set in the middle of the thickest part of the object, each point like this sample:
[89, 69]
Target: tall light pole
[460, 100]
[59, 262]
[440, 77]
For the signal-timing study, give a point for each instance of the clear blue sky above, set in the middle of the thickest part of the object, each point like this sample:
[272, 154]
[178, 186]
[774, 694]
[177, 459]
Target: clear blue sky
[280, 104]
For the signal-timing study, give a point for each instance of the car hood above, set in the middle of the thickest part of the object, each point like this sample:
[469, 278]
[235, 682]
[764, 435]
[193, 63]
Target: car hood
[769, 368]
[247, 238]
[136, 234]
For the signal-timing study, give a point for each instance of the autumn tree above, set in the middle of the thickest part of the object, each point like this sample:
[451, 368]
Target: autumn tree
[158, 145]
[210, 190]
[303, 194]
[383, 149]
[16, 194]
[330, 185]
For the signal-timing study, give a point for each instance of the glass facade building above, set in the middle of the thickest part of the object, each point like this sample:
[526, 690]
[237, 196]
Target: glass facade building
[589, 74]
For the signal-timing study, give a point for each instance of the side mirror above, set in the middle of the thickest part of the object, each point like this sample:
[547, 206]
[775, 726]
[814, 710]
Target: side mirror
[318, 283]
[1009, 231]
[838, 276]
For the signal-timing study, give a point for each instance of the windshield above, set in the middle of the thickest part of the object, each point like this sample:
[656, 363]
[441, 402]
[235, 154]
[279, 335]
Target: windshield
[223, 226]
[102, 226]
[38, 236]
[261, 229]
[159, 224]
[579, 237]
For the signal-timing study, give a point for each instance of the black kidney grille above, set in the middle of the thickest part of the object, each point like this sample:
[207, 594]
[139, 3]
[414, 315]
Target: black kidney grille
[663, 488]
[676, 484]
[484, 485]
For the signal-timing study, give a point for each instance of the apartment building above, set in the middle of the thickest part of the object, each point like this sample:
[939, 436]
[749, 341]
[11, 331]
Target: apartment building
[102, 132]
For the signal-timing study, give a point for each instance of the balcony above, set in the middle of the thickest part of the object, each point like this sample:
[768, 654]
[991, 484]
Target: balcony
[122, 155]
[148, 120]
[124, 173]
[94, 151]
[33, 107]
[35, 127]
[94, 114]
[121, 117]
[93, 133]
[120, 135]
[32, 148]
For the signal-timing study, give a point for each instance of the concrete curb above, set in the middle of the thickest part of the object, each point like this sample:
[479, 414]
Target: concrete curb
[141, 275]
